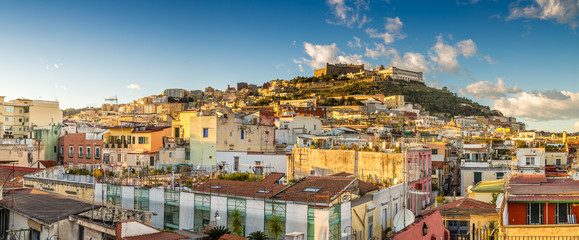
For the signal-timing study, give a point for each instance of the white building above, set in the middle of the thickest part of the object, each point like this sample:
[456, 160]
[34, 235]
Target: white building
[290, 127]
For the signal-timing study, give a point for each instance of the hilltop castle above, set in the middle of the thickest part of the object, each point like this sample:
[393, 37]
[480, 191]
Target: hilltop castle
[391, 73]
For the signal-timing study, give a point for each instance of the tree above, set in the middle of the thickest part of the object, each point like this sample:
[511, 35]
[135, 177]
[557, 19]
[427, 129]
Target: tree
[275, 226]
[258, 235]
[236, 225]
[216, 232]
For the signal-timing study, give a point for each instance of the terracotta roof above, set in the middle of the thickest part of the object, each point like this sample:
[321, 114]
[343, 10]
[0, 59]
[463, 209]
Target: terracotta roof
[46, 207]
[549, 187]
[534, 198]
[231, 237]
[466, 206]
[342, 174]
[239, 188]
[528, 179]
[366, 187]
[272, 178]
[468, 203]
[48, 163]
[158, 236]
[317, 186]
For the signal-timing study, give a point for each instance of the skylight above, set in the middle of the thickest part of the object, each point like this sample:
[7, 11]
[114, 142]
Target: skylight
[312, 190]
[263, 191]
[216, 187]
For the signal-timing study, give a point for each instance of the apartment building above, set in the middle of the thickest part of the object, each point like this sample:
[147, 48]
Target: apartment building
[81, 150]
[18, 117]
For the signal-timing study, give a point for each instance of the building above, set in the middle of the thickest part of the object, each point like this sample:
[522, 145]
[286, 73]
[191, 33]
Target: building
[487, 190]
[338, 69]
[24, 152]
[530, 160]
[317, 112]
[394, 73]
[81, 150]
[419, 165]
[18, 117]
[463, 215]
[471, 173]
[175, 93]
[394, 101]
[49, 137]
[475, 152]
[540, 206]
[212, 134]
[290, 127]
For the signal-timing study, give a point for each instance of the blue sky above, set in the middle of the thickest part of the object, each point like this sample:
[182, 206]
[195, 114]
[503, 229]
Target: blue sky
[521, 57]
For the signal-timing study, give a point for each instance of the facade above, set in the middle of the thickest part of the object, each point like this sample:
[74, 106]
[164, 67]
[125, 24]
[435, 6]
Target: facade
[24, 152]
[540, 206]
[290, 127]
[317, 112]
[398, 74]
[419, 165]
[49, 137]
[530, 160]
[212, 134]
[338, 69]
[471, 173]
[475, 152]
[175, 93]
[81, 150]
[17, 117]
[394, 101]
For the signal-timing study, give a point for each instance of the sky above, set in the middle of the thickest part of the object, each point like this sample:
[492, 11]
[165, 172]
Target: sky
[519, 57]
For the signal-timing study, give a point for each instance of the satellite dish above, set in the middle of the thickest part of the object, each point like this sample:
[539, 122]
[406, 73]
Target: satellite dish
[500, 198]
[395, 181]
[403, 219]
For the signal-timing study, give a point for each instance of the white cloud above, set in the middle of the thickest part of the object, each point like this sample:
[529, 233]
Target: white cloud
[411, 61]
[60, 86]
[301, 68]
[355, 44]
[57, 65]
[392, 29]
[561, 11]
[349, 16]
[322, 54]
[393, 24]
[467, 48]
[379, 50]
[134, 86]
[490, 90]
[489, 60]
[445, 55]
[540, 105]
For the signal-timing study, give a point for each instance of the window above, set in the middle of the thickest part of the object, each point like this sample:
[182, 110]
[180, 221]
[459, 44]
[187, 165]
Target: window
[70, 151]
[529, 160]
[55, 149]
[9, 109]
[477, 177]
[242, 134]
[88, 166]
[19, 110]
[562, 212]
[384, 218]
[152, 161]
[434, 151]
[236, 164]
[134, 141]
[114, 195]
[79, 165]
[534, 213]
[500, 175]
[172, 210]
[61, 151]
[26, 119]
[70, 165]
[205, 132]
[80, 150]
[558, 161]
[371, 226]
[88, 153]
[97, 152]
[143, 140]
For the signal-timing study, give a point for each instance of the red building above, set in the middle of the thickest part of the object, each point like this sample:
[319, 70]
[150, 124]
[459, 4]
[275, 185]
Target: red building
[419, 167]
[429, 226]
[319, 112]
[540, 200]
[80, 150]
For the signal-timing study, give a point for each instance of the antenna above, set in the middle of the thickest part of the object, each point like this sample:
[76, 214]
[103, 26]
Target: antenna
[113, 99]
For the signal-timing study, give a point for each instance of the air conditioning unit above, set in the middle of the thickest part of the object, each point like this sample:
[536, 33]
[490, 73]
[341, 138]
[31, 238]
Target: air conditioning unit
[295, 236]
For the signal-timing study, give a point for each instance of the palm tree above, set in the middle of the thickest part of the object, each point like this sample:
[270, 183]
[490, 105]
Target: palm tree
[275, 226]
[216, 232]
[236, 224]
[258, 235]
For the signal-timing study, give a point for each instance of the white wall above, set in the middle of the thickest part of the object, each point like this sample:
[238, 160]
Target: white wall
[186, 210]
[98, 192]
[322, 223]
[296, 218]
[127, 196]
[277, 162]
[346, 216]
[219, 204]
[157, 205]
[384, 199]
[254, 215]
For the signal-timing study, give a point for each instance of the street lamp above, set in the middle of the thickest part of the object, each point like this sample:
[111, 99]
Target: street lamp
[217, 217]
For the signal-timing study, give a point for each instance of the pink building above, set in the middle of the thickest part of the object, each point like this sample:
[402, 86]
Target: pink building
[418, 168]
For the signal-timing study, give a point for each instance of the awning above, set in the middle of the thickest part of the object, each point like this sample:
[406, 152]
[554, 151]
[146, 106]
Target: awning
[551, 199]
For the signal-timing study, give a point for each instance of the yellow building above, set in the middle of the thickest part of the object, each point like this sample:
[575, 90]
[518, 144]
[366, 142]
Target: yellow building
[182, 125]
[18, 117]
[487, 190]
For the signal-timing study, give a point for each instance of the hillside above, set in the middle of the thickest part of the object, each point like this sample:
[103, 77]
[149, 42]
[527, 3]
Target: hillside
[436, 101]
